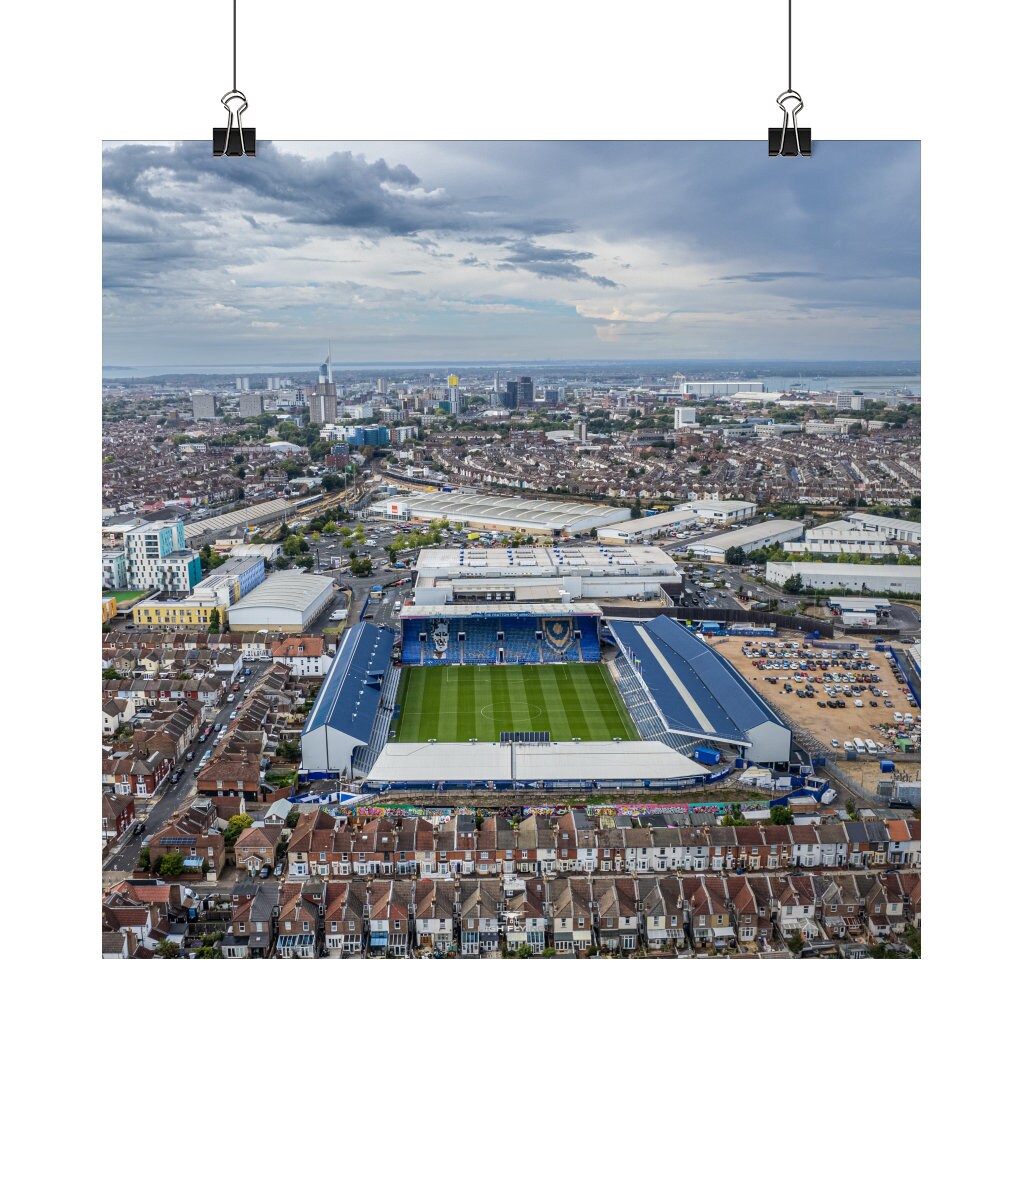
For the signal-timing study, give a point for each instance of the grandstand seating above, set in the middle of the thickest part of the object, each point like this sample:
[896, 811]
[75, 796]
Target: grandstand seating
[365, 756]
[500, 639]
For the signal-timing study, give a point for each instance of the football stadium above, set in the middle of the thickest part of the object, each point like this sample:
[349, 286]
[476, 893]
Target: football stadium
[456, 704]
[534, 696]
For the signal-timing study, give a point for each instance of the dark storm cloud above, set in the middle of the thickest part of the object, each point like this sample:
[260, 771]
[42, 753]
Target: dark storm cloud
[527, 255]
[341, 189]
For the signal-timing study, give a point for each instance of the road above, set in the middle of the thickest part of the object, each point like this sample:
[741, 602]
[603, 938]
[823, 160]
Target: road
[170, 797]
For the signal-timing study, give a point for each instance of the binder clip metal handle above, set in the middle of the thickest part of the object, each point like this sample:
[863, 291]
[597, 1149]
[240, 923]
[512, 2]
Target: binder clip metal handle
[787, 140]
[232, 140]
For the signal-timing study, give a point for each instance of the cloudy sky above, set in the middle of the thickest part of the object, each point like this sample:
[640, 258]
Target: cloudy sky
[454, 252]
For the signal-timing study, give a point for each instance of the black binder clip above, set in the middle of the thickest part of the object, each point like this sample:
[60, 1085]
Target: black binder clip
[787, 140]
[232, 139]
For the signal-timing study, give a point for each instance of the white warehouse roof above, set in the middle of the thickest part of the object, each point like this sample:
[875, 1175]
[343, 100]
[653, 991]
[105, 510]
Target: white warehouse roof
[774, 531]
[286, 598]
[508, 512]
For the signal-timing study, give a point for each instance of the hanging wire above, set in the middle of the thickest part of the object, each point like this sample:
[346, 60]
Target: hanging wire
[789, 84]
[234, 43]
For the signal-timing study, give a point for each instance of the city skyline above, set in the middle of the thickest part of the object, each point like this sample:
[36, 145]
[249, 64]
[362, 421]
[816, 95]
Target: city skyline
[399, 252]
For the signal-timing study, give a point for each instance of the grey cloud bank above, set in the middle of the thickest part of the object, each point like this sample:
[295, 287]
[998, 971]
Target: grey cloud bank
[510, 250]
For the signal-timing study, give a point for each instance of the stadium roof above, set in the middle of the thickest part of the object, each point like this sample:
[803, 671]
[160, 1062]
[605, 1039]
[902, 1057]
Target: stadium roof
[501, 610]
[285, 589]
[455, 762]
[350, 693]
[696, 689]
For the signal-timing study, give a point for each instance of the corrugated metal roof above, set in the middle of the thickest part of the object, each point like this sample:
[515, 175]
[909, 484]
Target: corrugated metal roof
[288, 588]
[349, 696]
[696, 689]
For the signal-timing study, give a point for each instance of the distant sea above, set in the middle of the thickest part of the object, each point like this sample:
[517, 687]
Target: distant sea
[847, 383]
[874, 377]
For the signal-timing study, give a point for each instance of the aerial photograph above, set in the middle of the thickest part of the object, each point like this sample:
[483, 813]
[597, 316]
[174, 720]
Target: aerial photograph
[511, 550]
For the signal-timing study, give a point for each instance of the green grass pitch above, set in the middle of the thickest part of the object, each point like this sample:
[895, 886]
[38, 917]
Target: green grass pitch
[456, 703]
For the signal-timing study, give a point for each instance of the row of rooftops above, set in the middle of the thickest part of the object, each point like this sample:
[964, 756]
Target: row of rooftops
[420, 841]
[600, 901]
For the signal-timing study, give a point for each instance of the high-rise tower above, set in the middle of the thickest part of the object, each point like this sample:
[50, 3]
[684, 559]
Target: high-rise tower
[323, 404]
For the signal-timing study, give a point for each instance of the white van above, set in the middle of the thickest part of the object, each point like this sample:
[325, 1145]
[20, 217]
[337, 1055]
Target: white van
[872, 748]
[859, 744]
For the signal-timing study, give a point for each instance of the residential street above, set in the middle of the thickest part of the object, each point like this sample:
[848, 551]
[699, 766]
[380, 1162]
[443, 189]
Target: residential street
[153, 813]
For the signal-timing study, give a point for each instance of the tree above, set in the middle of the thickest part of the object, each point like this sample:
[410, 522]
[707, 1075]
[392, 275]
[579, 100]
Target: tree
[333, 483]
[795, 942]
[793, 585]
[111, 673]
[292, 819]
[734, 556]
[170, 865]
[524, 951]
[289, 751]
[168, 949]
[236, 825]
[143, 863]
[214, 625]
[208, 952]
[781, 815]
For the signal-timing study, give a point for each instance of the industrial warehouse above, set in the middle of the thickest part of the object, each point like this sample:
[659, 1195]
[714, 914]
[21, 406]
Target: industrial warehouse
[823, 576]
[767, 533]
[289, 602]
[474, 510]
[683, 516]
